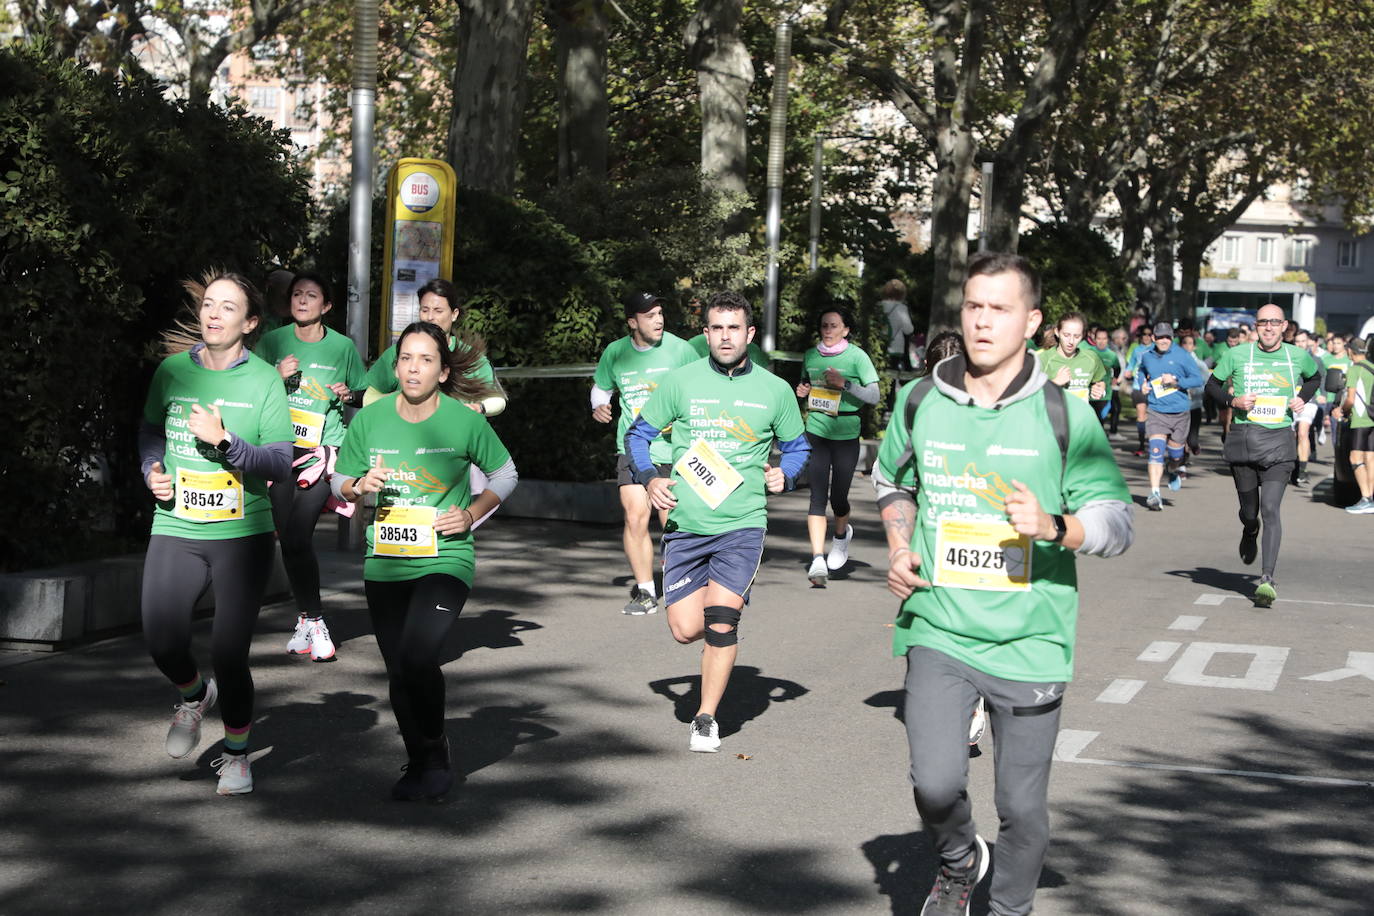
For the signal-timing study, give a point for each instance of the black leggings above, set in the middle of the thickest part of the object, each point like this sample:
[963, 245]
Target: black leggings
[296, 512]
[1194, 427]
[411, 620]
[831, 471]
[175, 573]
[1261, 491]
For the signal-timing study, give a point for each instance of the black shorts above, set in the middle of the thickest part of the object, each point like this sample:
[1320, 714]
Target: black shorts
[1362, 439]
[624, 478]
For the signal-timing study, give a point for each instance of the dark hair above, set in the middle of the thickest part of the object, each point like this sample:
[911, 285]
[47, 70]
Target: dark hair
[730, 301]
[460, 361]
[989, 263]
[313, 277]
[846, 316]
[440, 287]
[1186, 335]
[942, 346]
[185, 332]
[1073, 316]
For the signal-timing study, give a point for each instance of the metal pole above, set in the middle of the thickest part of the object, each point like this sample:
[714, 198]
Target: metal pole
[776, 149]
[985, 212]
[816, 167]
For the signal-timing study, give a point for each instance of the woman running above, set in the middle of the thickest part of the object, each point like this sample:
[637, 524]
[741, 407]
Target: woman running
[322, 373]
[414, 450]
[215, 430]
[837, 379]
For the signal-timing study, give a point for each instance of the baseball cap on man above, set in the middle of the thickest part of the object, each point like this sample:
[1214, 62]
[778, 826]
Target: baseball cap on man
[638, 303]
[1358, 344]
[1163, 329]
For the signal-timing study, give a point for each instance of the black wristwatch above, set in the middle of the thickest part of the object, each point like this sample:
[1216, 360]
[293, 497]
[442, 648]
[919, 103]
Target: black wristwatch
[224, 443]
[1060, 529]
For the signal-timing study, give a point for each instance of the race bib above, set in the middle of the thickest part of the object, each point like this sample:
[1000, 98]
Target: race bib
[985, 555]
[209, 496]
[309, 427]
[826, 400]
[1160, 389]
[1269, 408]
[1080, 393]
[707, 474]
[405, 531]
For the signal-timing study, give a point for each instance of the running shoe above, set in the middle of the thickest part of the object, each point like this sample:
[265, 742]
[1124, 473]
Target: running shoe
[1321, 436]
[1176, 479]
[1154, 502]
[321, 646]
[1249, 538]
[1369, 507]
[428, 777]
[1301, 480]
[184, 734]
[819, 572]
[640, 603]
[839, 549]
[705, 735]
[1361, 507]
[299, 643]
[978, 724]
[1265, 592]
[235, 774]
[954, 886]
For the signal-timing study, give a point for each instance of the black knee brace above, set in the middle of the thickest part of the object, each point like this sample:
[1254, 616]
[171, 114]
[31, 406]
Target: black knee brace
[720, 614]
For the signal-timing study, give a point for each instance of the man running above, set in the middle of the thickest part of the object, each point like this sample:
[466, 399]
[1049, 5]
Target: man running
[1167, 375]
[1271, 381]
[1311, 414]
[1010, 479]
[1337, 356]
[725, 413]
[634, 365]
[1359, 391]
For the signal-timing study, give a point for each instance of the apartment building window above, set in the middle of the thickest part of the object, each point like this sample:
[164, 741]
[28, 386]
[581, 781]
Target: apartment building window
[1266, 250]
[1229, 252]
[1301, 252]
[304, 112]
[1348, 254]
[262, 98]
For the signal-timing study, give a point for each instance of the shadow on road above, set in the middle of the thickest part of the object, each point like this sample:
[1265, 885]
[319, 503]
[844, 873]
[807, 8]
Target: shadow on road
[1222, 580]
[748, 696]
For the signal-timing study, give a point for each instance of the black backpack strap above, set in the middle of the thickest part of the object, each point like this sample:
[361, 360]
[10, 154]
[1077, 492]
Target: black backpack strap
[1058, 414]
[913, 401]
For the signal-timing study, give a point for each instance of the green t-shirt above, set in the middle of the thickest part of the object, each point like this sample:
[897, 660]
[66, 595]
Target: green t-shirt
[702, 347]
[967, 457]
[1271, 375]
[738, 417]
[1360, 379]
[1085, 369]
[382, 375]
[432, 461]
[316, 413]
[635, 374]
[856, 367]
[213, 501]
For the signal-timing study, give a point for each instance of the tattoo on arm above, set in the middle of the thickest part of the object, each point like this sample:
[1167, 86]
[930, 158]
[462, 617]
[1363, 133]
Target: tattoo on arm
[899, 522]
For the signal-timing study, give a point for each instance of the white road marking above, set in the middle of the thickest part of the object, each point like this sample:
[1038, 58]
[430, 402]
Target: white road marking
[1187, 623]
[1218, 599]
[1072, 742]
[1263, 673]
[1158, 651]
[1121, 690]
[1357, 664]
[1213, 598]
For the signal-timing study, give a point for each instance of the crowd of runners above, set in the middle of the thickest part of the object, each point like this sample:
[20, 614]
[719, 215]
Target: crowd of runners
[995, 471]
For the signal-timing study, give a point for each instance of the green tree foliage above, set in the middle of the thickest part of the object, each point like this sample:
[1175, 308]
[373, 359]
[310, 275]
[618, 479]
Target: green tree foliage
[1079, 272]
[112, 195]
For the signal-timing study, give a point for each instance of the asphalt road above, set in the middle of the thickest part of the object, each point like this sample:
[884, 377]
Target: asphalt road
[1215, 758]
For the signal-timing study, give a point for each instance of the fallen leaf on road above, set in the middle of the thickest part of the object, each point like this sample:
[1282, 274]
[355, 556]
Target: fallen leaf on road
[889, 625]
[744, 756]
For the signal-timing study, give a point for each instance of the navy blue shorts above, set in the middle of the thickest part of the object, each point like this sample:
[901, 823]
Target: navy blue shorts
[691, 560]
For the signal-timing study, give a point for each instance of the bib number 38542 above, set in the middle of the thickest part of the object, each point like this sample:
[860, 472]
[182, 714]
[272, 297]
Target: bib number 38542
[708, 475]
[405, 531]
[209, 496]
[986, 555]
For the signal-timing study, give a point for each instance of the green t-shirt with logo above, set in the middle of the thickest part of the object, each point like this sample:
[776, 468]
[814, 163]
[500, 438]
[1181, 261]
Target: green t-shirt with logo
[1360, 379]
[1086, 368]
[635, 374]
[213, 501]
[316, 413]
[432, 461]
[382, 375]
[857, 368]
[702, 347]
[736, 418]
[967, 457]
[1271, 375]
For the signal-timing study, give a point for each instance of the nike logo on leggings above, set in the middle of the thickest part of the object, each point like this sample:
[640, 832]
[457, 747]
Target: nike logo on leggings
[440, 607]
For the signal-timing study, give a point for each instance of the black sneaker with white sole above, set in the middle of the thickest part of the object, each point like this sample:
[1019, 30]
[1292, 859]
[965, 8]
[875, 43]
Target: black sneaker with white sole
[954, 886]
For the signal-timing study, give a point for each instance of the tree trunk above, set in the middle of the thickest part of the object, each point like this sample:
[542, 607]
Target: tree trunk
[725, 74]
[1003, 231]
[949, 237]
[1190, 255]
[489, 92]
[583, 110]
[1164, 236]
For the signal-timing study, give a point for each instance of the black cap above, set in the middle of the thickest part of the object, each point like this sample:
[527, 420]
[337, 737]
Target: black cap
[638, 303]
[1164, 329]
[1358, 345]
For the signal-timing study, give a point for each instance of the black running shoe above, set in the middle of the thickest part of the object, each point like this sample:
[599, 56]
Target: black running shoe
[954, 887]
[1249, 537]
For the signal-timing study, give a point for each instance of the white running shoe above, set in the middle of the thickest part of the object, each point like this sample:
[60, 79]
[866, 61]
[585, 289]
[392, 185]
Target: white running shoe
[235, 774]
[705, 735]
[321, 646]
[1321, 436]
[184, 734]
[818, 573]
[299, 643]
[839, 549]
[978, 724]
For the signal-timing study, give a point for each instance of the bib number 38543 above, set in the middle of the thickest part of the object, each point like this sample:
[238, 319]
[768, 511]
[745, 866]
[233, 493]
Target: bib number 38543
[209, 496]
[405, 531]
[708, 475]
[986, 555]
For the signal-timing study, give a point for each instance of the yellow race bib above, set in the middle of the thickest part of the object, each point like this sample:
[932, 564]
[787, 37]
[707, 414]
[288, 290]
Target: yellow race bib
[309, 427]
[1160, 389]
[985, 555]
[405, 531]
[209, 496]
[1268, 408]
[707, 474]
[1080, 393]
[826, 400]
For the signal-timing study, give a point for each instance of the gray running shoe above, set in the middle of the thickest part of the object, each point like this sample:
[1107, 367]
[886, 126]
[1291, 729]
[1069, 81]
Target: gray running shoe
[640, 603]
[184, 734]
[1154, 502]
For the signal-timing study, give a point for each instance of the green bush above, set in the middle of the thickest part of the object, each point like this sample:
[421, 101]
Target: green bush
[112, 195]
[1079, 271]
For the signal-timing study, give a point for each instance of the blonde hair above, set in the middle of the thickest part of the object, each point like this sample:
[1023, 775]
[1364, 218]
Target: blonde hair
[893, 289]
[185, 330]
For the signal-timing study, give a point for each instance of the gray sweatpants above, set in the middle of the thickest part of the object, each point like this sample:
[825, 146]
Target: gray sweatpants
[941, 693]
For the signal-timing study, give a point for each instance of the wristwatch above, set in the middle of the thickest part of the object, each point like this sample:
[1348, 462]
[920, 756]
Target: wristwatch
[1060, 529]
[224, 443]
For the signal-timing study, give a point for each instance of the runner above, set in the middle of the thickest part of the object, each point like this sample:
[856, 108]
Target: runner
[1271, 381]
[1139, 397]
[725, 413]
[701, 347]
[1310, 417]
[1074, 368]
[322, 373]
[1005, 494]
[1359, 392]
[633, 366]
[414, 450]
[1336, 357]
[837, 379]
[1167, 375]
[1195, 399]
[215, 430]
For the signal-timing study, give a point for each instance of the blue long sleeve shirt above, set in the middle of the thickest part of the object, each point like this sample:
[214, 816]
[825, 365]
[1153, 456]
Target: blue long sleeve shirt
[1175, 361]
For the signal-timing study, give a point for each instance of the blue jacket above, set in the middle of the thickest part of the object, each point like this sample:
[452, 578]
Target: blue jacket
[1178, 362]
